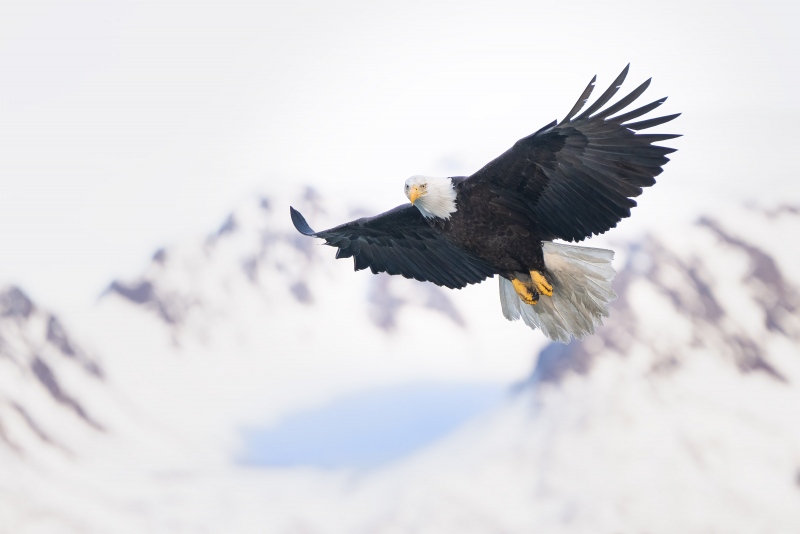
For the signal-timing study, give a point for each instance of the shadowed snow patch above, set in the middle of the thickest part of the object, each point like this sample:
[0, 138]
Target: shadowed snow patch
[369, 428]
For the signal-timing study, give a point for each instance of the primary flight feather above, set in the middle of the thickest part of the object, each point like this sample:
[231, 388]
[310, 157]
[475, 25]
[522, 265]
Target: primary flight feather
[569, 180]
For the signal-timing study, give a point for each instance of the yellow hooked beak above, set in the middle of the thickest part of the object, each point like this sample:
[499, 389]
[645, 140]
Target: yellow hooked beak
[415, 194]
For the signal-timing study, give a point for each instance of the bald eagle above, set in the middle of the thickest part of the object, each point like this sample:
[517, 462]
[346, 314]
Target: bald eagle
[569, 180]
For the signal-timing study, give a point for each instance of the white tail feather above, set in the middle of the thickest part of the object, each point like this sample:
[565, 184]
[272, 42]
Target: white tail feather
[581, 279]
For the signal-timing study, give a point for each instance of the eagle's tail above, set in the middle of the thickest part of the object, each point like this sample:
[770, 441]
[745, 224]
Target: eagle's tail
[581, 279]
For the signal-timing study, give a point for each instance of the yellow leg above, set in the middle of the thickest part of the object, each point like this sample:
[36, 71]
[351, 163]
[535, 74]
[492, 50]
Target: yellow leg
[524, 292]
[541, 284]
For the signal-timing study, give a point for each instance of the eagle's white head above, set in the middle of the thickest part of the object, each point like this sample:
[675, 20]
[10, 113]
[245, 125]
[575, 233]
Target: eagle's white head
[434, 197]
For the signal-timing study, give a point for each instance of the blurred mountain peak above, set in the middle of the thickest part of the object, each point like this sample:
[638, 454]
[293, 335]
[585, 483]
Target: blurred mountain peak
[42, 368]
[689, 390]
[724, 291]
[255, 249]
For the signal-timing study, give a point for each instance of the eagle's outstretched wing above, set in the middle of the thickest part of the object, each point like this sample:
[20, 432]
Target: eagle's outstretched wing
[401, 242]
[577, 178]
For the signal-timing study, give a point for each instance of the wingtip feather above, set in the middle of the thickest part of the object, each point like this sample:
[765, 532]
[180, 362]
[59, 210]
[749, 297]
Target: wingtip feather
[300, 222]
[581, 101]
[625, 101]
[606, 96]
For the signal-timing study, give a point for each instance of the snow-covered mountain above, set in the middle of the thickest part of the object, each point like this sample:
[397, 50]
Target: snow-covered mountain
[66, 435]
[257, 308]
[43, 370]
[680, 414]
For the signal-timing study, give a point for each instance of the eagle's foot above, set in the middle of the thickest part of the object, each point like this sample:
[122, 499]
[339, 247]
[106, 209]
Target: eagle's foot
[541, 284]
[526, 294]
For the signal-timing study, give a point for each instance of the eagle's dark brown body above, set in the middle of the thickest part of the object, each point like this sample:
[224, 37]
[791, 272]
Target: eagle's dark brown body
[482, 228]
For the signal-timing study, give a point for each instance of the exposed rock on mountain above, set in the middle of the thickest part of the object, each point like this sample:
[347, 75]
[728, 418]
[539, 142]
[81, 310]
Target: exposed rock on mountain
[40, 366]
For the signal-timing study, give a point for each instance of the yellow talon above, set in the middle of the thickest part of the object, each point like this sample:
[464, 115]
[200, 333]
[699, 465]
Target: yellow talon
[524, 292]
[541, 284]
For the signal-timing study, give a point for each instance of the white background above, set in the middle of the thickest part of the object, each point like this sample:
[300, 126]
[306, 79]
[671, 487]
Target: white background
[127, 126]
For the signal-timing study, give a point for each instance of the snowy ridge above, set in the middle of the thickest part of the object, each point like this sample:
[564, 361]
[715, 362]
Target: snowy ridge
[253, 244]
[66, 435]
[678, 415]
[258, 308]
[42, 369]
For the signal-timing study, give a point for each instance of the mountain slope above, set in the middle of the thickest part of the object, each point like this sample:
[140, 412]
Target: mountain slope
[42, 369]
[680, 415]
[218, 334]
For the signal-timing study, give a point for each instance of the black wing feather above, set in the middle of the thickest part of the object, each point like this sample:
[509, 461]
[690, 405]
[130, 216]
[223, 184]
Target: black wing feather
[649, 123]
[638, 112]
[400, 241]
[606, 96]
[625, 102]
[578, 178]
[581, 101]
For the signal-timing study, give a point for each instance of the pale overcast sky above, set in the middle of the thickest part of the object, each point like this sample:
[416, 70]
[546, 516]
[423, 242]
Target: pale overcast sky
[127, 126]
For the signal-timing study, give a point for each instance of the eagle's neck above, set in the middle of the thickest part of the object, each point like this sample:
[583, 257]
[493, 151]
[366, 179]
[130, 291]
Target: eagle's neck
[440, 199]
